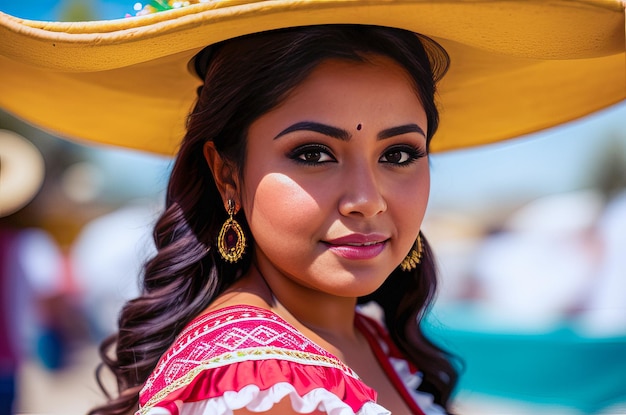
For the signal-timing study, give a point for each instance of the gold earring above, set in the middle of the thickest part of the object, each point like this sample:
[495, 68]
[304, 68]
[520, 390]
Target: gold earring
[413, 258]
[231, 241]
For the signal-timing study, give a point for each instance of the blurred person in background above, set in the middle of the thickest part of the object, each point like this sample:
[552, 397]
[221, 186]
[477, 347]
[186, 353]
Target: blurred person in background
[21, 176]
[40, 322]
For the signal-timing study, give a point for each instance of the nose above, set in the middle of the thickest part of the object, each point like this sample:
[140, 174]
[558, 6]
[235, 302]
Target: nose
[362, 194]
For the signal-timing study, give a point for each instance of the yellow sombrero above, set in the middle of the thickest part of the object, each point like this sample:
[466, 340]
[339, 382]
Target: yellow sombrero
[517, 66]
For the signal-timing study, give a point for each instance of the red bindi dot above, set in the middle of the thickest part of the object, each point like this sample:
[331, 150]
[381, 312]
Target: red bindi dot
[358, 127]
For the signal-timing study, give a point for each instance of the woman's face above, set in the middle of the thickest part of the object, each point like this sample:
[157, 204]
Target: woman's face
[336, 179]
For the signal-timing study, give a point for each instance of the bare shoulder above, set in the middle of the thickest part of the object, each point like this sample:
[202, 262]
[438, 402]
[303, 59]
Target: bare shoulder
[242, 298]
[246, 291]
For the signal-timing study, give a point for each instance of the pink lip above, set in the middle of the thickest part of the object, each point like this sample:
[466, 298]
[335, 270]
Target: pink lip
[358, 246]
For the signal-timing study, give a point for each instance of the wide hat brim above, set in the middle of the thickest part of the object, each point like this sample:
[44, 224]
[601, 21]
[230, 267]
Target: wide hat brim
[517, 66]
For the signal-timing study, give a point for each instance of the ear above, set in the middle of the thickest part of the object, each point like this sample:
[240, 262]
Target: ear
[224, 173]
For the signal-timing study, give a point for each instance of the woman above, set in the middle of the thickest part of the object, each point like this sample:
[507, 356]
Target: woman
[298, 191]
[315, 140]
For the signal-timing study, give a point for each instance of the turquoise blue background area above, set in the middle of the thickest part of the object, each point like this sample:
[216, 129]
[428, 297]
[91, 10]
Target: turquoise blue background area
[557, 367]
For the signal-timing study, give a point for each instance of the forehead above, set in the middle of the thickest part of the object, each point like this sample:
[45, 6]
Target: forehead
[338, 91]
[336, 87]
[387, 72]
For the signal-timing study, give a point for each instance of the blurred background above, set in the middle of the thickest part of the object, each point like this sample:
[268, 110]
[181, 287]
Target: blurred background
[530, 236]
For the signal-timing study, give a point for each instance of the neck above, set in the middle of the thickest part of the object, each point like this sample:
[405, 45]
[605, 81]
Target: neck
[329, 316]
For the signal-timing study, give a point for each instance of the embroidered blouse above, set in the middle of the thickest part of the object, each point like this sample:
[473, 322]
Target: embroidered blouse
[248, 357]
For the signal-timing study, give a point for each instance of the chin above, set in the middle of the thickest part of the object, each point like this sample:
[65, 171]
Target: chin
[356, 289]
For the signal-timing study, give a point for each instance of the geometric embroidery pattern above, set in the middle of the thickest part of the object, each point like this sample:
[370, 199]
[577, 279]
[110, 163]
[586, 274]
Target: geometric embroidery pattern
[231, 335]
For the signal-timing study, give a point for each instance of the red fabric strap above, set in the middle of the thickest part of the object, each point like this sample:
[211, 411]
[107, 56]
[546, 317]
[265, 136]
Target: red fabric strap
[374, 331]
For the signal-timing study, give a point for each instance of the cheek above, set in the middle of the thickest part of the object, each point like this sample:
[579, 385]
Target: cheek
[411, 200]
[277, 205]
[423, 192]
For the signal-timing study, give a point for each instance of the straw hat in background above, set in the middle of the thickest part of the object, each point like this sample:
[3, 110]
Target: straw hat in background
[21, 172]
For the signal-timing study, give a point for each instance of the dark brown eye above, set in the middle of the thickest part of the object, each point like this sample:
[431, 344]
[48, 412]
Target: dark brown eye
[311, 156]
[394, 157]
[402, 155]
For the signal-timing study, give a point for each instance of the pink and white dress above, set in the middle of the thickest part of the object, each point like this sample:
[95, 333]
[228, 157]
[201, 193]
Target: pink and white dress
[248, 357]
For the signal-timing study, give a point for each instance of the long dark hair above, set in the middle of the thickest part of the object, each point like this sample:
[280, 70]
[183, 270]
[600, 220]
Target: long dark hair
[245, 78]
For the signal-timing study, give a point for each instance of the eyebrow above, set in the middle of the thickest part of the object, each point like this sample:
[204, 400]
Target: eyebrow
[402, 129]
[345, 135]
[318, 128]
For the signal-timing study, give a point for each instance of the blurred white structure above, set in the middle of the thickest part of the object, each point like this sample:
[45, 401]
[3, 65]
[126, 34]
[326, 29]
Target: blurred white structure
[537, 270]
[605, 308]
[107, 259]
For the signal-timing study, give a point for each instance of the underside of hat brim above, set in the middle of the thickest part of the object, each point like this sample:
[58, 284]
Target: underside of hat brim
[516, 66]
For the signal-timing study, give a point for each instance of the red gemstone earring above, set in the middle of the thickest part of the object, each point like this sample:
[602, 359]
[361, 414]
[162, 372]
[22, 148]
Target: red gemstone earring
[231, 241]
